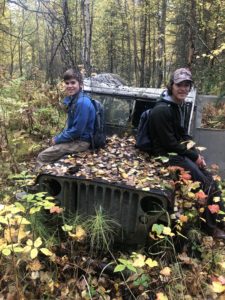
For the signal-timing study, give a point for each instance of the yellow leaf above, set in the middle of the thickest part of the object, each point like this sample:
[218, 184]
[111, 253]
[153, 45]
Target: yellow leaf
[139, 261]
[21, 220]
[38, 242]
[20, 206]
[191, 195]
[15, 235]
[6, 252]
[18, 249]
[124, 175]
[9, 234]
[217, 287]
[33, 210]
[222, 265]
[165, 271]
[201, 148]
[161, 296]
[33, 253]
[79, 235]
[203, 220]
[190, 144]
[26, 249]
[22, 233]
[3, 243]
[46, 252]
[3, 220]
[216, 199]
[29, 242]
[167, 231]
[67, 227]
[151, 263]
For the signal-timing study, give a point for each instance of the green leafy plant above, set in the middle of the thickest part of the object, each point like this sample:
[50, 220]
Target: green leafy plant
[143, 281]
[124, 263]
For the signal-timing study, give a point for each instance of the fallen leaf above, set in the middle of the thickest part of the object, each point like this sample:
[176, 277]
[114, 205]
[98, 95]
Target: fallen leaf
[56, 209]
[222, 265]
[37, 242]
[214, 208]
[185, 176]
[80, 234]
[183, 218]
[167, 231]
[35, 275]
[201, 148]
[46, 252]
[165, 271]
[151, 263]
[217, 287]
[216, 199]
[139, 261]
[190, 144]
[201, 197]
[161, 296]
[35, 265]
[33, 253]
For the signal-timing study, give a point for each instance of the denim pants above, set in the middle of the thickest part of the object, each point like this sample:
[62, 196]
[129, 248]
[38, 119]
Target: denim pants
[208, 185]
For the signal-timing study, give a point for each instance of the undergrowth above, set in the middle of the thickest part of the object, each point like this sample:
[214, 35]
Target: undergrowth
[48, 254]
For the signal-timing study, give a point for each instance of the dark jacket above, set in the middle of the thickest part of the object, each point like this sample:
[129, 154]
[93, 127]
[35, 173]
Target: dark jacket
[167, 130]
[81, 119]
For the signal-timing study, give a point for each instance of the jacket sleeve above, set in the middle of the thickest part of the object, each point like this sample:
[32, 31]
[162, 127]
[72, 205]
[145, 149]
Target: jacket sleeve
[162, 121]
[80, 120]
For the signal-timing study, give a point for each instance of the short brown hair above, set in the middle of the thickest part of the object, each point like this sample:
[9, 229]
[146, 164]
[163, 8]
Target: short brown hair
[73, 74]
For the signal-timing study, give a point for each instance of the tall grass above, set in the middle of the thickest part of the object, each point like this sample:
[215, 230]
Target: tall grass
[101, 231]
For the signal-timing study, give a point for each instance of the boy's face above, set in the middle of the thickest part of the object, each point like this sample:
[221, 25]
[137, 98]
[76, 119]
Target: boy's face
[72, 87]
[181, 90]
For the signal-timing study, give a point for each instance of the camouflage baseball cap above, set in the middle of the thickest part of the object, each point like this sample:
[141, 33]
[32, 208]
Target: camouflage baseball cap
[182, 74]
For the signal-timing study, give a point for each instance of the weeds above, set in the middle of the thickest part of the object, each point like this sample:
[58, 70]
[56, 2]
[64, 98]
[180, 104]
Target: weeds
[101, 231]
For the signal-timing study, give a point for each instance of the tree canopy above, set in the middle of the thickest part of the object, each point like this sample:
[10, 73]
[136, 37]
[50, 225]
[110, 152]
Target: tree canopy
[141, 40]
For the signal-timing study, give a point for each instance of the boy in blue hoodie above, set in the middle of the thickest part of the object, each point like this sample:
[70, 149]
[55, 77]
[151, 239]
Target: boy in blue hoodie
[76, 137]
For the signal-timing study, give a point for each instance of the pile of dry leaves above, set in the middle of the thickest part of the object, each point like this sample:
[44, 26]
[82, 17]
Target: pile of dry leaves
[119, 162]
[213, 116]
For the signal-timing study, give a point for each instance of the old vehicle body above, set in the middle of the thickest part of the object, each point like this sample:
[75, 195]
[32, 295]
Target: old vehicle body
[134, 209]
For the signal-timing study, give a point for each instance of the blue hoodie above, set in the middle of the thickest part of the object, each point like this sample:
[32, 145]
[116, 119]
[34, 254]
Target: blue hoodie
[80, 121]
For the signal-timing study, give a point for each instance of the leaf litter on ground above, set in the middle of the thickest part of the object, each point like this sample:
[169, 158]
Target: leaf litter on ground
[118, 163]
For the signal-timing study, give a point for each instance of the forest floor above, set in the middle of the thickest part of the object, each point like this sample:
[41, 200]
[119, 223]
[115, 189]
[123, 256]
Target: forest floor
[48, 254]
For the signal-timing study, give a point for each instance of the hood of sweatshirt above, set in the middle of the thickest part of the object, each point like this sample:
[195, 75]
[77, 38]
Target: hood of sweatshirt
[165, 97]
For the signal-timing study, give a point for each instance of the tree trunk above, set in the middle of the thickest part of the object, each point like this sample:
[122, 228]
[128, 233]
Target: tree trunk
[143, 30]
[87, 12]
[161, 41]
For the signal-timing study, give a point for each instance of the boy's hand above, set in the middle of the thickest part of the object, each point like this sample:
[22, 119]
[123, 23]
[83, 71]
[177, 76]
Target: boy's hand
[200, 162]
[53, 142]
